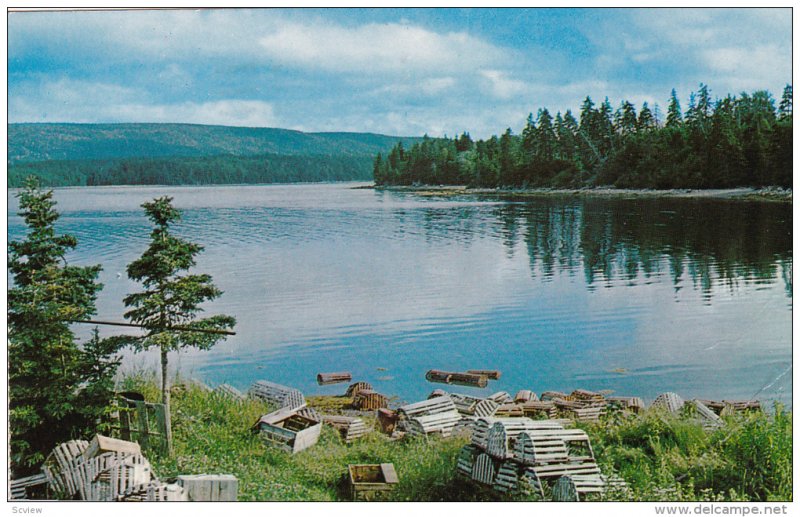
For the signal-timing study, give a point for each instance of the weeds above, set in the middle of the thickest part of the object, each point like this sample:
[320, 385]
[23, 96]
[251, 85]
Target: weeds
[660, 457]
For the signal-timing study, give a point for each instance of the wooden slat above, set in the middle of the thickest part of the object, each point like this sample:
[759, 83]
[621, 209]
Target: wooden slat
[144, 426]
[563, 489]
[484, 470]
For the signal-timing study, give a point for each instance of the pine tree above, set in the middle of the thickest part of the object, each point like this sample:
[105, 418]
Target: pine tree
[58, 388]
[785, 107]
[674, 117]
[645, 122]
[171, 300]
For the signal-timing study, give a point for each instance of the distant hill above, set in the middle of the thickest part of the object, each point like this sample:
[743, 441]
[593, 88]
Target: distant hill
[41, 142]
[180, 154]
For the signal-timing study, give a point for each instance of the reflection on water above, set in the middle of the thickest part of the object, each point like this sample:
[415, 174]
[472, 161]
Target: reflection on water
[635, 296]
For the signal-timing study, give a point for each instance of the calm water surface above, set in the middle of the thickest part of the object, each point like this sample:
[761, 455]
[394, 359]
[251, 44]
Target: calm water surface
[634, 296]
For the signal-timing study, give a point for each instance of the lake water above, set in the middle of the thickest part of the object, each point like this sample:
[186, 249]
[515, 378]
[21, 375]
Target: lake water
[635, 296]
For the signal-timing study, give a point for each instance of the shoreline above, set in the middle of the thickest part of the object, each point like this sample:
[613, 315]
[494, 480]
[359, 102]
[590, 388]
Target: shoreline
[772, 194]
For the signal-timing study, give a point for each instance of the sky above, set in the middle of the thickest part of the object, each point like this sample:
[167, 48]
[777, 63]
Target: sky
[392, 71]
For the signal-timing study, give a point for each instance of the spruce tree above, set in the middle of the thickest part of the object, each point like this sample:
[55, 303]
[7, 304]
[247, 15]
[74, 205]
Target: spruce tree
[674, 117]
[171, 301]
[58, 388]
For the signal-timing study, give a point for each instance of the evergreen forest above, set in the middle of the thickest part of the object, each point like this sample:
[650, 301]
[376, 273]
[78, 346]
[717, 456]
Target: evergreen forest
[734, 141]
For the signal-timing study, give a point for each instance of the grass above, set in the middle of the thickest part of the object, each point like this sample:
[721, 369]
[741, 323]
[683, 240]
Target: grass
[661, 458]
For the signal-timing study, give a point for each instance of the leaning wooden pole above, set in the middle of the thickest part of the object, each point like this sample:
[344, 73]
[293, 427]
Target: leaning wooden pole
[179, 328]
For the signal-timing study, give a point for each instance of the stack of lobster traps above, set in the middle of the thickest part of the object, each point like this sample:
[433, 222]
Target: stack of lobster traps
[513, 455]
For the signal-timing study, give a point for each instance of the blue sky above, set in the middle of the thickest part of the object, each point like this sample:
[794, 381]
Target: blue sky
[391, 71]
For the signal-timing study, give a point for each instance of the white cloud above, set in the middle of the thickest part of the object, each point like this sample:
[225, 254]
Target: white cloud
[502, 86]
[66, 100]
[747, 67]
[389, 47]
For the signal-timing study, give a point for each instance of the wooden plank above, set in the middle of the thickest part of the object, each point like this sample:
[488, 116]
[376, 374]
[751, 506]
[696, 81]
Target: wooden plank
[389, 474]
[101, 444]
[125, 423]
[144, 426]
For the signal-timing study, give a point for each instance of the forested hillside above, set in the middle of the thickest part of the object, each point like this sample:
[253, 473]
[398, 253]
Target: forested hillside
[201, 170]
[176, 154]
[729, 142]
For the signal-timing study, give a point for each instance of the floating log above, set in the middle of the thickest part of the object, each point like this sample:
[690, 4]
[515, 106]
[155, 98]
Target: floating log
[490, 374]
[324, 379]
[371, 481]
[461, 379]
[354, 388]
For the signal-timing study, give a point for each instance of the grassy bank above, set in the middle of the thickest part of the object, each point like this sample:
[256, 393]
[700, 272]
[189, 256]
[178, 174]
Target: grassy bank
[660, 458]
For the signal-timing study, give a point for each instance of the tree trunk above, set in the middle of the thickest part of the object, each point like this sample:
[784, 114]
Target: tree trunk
[164, 380]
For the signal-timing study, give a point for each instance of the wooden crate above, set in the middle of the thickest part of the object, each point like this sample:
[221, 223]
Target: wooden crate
[387, 420]
[288, 430]
[210, 487]
[101, 444]
[369, 482]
